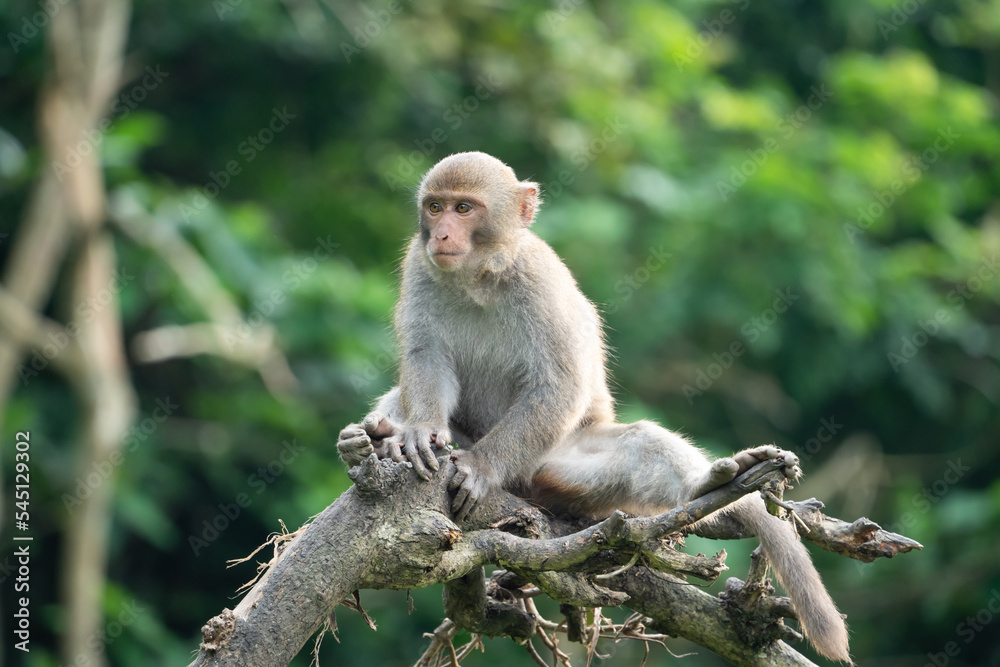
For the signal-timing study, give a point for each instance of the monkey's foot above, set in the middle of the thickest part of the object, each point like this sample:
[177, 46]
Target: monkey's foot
[727, 469]
[721, 472]
[748, 458]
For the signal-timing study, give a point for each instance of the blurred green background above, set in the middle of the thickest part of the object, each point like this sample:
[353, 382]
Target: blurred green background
[789, 213]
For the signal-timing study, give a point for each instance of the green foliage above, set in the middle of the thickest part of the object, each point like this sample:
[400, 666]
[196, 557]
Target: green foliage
[811, 184]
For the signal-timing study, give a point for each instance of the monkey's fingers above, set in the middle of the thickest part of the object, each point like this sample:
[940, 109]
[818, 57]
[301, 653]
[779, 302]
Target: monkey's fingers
[441, 439]
[792, 469]
[393, 450]
[377, 426]
[791, 460]
[463, 502]
[430, 458]
[748, 458]
[412, 452]
[351, 431]
[457, 479]
[355, 449]
[463, 513]
[355, 444]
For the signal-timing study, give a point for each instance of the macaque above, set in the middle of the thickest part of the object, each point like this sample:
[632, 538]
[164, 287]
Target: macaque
[502, 355]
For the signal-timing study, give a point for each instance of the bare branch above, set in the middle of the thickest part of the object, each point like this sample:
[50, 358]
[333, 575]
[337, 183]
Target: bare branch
[391, 531]
[862, 539]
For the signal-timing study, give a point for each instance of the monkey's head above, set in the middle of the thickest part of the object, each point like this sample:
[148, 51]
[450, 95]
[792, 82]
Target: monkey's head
[472, 210]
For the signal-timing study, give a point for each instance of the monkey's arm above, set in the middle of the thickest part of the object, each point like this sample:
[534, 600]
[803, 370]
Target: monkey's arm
[511, 449]
[428, 382]
[428, 394]
[428, 386]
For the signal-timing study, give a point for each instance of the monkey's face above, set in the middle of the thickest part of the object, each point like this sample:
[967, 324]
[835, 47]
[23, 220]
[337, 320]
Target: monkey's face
[472, 212]
[450, 225]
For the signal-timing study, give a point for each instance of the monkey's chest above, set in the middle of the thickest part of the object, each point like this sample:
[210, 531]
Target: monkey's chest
[491, 365]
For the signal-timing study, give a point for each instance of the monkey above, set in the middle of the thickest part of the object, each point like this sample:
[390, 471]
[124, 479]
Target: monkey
[502, 355]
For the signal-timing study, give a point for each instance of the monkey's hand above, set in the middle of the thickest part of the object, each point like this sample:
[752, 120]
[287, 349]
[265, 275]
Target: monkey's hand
[417, 449]
[376, 434]
[726, 469]
[469, 485]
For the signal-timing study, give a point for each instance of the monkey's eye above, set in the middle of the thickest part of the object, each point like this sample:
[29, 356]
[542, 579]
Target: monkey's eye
[435, 207]
[463, 208]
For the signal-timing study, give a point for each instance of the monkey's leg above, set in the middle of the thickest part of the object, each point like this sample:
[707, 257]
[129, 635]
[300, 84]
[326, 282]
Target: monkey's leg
[644, 469]
[640, 468]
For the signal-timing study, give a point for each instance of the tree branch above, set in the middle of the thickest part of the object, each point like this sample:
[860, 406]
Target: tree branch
[393, 531]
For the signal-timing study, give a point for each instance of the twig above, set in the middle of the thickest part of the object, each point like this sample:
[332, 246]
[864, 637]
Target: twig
[592, 644]
[622, 569]
[532, 592]
[553, 642]
[534, 654]
[474, 643]
[790, 507]
[440, 638]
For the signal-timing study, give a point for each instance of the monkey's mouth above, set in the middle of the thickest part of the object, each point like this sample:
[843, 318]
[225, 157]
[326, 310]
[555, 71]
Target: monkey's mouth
[447, 259]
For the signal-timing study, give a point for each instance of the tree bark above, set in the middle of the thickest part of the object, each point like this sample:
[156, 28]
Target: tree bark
[393, 531]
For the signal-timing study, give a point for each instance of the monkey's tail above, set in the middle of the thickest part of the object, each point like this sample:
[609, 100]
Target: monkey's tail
[818, 615]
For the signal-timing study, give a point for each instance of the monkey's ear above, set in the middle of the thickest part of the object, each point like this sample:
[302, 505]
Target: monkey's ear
[529, 202]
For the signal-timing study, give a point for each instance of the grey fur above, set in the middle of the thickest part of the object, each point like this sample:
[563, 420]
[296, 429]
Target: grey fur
[506, 352]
